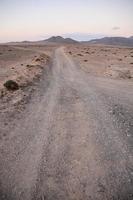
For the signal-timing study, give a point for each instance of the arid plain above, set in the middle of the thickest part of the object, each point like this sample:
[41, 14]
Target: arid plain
[66, 130]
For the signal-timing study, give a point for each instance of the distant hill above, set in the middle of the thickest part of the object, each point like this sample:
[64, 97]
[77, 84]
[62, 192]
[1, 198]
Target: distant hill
[59, 39]
[119, 41]
[122, 41]
[54, 39]
[131, 37]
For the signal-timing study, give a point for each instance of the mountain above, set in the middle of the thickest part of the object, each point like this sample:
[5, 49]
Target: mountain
[54, 39]
[122, 41]
[59, 39]
[131, 37]
[70, 40]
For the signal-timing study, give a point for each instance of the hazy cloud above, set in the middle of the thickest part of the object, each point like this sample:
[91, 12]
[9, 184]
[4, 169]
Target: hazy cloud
[116, 28]
[84, 36]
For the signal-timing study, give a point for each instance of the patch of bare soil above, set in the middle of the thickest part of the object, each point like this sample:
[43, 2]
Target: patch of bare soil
[24, 67]
[99, 60]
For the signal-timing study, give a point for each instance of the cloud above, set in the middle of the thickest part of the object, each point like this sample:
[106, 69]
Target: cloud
[84, 36]
[115, 28]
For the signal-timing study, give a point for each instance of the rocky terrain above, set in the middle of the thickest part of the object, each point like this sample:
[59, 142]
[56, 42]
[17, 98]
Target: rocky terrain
[24, 66]
[102, 60]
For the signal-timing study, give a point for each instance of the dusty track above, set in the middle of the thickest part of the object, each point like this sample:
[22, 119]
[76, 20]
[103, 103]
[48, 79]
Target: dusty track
[74, 142]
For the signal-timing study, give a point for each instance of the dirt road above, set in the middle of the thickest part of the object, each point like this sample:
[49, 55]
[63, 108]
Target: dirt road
[74, 141]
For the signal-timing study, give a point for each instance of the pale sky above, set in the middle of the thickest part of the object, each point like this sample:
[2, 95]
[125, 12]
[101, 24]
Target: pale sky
[80, 19]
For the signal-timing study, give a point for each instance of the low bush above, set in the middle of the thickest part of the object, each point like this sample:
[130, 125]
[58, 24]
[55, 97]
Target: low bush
[11, 85]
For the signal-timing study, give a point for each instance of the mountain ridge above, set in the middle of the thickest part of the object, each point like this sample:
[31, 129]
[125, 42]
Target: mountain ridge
[59, 39]
[122, 41]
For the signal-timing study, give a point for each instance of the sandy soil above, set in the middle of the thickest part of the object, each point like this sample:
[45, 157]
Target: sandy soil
[107, 61]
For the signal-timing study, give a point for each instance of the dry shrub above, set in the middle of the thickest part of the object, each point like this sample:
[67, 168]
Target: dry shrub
[11, 85]
[79, 54]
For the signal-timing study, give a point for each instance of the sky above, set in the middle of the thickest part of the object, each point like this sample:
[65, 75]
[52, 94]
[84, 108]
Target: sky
[80, 19]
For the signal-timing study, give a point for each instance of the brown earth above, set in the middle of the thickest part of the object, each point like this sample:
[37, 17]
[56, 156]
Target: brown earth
[23, 64]
[100, 60]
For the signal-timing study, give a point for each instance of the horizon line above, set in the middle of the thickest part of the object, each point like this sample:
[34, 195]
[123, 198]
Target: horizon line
[65, 37]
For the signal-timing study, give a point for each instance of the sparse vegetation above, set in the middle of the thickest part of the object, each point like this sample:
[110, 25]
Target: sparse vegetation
[105, 50]
[2, 94]
[30, 66]
[125, 74]
[38, 59]
[11, 85]
[79, 54]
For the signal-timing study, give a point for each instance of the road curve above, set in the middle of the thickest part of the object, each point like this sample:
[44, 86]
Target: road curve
[74, 142]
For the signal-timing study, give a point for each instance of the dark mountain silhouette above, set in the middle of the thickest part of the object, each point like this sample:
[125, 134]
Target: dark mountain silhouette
[59, 39]
[122, 41]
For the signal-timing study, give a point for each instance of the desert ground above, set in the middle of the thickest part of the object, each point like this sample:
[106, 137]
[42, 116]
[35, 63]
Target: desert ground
[66, 132]
[105, 61]
[23, 64]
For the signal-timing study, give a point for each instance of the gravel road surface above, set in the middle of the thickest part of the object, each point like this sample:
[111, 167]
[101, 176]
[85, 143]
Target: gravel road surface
[74, 141]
